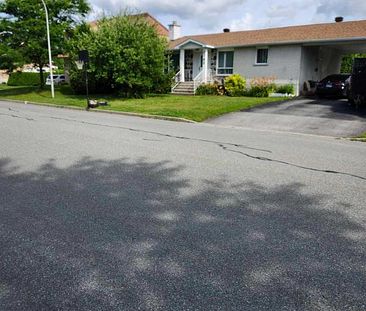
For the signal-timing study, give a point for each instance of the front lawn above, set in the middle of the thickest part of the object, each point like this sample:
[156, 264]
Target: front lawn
[361, 137]
[196, 108]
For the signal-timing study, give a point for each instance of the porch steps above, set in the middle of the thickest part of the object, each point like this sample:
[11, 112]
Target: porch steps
[184, 88]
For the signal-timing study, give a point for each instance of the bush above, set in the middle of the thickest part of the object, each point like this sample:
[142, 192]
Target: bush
[207, 89]
[261, 87]
[126, 56]
[235, 85]
[163, 83]
[285, 89]
[24, 79]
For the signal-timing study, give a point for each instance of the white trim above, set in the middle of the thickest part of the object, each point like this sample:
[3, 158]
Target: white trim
[182, 61]
[217, 63]
[205, 61]
[178, 47]
[305, 43]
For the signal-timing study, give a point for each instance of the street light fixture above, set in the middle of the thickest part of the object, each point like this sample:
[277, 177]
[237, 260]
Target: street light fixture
[49, 49]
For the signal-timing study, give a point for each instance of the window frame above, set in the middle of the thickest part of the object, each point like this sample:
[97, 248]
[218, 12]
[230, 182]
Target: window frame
[256, 63]
[224, 68]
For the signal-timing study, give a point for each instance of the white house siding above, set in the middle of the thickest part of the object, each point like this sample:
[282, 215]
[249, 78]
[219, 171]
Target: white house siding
[283, 64]
[330, 60]
[309, 65]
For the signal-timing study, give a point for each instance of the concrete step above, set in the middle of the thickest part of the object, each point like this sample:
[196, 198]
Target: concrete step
[188, 89]
[182, 93]
[184, 88]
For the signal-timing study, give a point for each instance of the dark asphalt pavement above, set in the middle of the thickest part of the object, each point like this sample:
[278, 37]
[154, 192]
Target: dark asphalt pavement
[328, 117]
[105, 212]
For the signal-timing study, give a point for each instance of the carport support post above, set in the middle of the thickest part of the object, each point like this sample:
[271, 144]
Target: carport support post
[181, 64]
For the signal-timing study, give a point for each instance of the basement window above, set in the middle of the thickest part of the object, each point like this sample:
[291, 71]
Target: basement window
[225, 63]
[262, 57]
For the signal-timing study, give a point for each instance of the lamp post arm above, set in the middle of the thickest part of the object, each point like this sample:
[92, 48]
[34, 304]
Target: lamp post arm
[49, 49]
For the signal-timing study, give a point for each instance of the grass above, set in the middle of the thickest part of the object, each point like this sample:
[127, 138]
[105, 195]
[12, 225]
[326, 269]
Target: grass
[196, 108]
[361, 137]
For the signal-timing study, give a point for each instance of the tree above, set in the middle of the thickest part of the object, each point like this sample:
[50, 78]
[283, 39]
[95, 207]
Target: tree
[24, 26]
[126, 55]
[347, 62]
[10, 59]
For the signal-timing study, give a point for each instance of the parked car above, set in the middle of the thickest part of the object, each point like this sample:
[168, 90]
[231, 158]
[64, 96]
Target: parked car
[57, 79]
[332, 86]
[357, 89]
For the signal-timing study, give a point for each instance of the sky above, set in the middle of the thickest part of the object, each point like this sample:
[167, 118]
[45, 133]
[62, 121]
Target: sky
[211, 16]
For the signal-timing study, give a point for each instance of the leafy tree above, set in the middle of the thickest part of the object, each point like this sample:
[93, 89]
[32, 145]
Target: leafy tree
[347, 62]
[126, 56]
[10, 59]
[23, 27]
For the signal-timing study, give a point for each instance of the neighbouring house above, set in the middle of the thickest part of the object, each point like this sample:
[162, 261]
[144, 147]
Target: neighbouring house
[159, 27]
[290, 54]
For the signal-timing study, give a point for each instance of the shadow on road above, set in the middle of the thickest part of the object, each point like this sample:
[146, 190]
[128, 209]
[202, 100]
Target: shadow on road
[134, 235]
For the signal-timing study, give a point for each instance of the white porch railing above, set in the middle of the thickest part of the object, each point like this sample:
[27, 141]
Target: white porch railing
[176, 79]
[200, 79]
[197, 81]
[188, 75]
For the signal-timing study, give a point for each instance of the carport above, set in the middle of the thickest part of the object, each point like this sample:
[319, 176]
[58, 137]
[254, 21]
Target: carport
[321, 59]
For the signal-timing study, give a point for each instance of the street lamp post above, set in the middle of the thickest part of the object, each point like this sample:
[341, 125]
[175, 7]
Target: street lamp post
[49, 49]
[81, 63]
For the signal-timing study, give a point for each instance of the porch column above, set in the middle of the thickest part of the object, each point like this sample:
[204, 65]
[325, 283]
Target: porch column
[205, 65]
[181, 64]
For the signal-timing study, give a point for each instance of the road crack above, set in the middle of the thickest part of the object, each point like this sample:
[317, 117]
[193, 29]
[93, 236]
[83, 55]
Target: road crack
[16, 116]
[162, 134]
[222, 146]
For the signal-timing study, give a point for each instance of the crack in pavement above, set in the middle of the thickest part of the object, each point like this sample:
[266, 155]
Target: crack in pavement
[222, 146]
[160, 134]
[218, 143]
[16, 116]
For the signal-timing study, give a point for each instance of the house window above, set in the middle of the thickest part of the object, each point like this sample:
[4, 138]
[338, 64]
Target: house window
[226, 63]
[262, 57]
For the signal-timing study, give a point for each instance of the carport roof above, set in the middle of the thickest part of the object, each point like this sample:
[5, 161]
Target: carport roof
[295, 34]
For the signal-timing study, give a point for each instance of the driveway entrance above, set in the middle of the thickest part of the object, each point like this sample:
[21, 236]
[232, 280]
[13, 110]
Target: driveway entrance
[310, 116]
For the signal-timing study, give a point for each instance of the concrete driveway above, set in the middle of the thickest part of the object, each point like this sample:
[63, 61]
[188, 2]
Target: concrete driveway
[310, 116]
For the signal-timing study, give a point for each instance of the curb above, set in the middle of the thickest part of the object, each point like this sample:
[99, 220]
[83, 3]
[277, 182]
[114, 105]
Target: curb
[130, 114]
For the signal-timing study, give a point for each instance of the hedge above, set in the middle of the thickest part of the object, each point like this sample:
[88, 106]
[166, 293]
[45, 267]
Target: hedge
[24, 79]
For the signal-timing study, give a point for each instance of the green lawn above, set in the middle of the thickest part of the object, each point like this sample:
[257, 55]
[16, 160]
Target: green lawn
[362, 137]
[196, 108]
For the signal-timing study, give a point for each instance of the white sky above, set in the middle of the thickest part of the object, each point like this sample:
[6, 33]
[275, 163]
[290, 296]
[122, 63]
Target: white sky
[209, 16]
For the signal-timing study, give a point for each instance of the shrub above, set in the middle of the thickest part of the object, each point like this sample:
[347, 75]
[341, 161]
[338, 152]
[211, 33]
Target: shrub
[24, 79]
[163, 83]
[261, 87]
[207, 89]
[235, 85]
[126, 56]
[285, 89]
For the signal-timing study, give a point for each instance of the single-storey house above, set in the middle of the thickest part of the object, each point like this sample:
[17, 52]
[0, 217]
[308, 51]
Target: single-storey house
[289, 54]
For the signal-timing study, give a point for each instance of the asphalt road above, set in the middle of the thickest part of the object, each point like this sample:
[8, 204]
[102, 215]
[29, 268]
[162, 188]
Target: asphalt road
[106, 212]
[327, 117]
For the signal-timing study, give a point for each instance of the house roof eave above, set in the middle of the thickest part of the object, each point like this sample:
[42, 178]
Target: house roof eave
[203, 45]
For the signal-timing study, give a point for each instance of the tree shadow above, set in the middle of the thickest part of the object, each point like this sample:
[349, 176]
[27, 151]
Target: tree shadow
[18, 90]
[135, 235]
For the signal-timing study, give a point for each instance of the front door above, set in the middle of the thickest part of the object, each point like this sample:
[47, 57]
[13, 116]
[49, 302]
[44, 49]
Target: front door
[197, 63]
